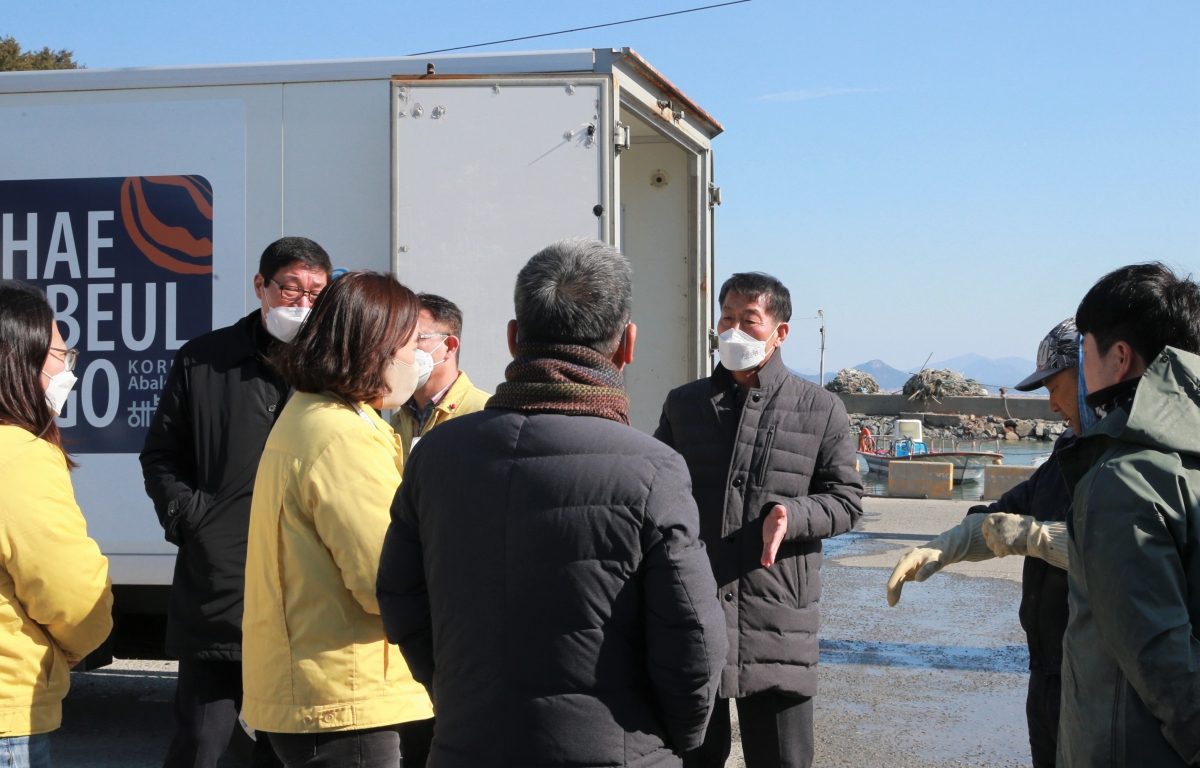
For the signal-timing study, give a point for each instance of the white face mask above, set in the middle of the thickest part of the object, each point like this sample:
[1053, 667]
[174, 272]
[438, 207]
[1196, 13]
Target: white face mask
[740, 351]
[284, 322]
[425, 364]
[57, 390]
[401, 378]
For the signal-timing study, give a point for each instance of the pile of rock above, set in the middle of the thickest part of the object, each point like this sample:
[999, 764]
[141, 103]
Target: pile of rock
[943, 425]
[934, 383]
[853, 381]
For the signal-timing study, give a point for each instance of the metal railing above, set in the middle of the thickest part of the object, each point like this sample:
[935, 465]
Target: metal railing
[944, 444]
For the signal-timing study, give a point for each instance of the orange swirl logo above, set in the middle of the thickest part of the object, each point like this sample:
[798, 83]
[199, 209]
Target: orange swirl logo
[157, 211]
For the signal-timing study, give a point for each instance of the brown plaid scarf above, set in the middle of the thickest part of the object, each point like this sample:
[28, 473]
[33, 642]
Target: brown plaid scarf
[563, 378]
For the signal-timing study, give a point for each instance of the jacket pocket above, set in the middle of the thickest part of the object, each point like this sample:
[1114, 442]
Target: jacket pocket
[766, 456]
[184, 513]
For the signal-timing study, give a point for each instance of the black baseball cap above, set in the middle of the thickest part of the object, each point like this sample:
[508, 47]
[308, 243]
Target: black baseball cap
[1057, 352]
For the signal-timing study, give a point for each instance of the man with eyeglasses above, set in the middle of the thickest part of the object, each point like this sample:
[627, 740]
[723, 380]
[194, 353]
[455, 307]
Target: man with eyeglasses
[200, 458]
[443, 391]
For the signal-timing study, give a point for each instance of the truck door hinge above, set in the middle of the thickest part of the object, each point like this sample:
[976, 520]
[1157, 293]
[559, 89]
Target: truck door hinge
[623, 137]
[714, 195]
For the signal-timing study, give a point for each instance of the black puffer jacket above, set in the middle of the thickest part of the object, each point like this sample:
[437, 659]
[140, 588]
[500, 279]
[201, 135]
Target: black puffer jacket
[787, 442]
[543, 577]
[1043, 587]
[199, 462]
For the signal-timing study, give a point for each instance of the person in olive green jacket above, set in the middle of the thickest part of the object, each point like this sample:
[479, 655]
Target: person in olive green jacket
[319, 676]
[443, 391]
[55, 596]
[1131, 654]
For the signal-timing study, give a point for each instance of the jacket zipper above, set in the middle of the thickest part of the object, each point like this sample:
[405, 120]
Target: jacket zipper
[762, 468]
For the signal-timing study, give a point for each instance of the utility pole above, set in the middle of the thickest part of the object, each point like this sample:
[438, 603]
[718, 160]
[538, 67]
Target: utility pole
[821, 314]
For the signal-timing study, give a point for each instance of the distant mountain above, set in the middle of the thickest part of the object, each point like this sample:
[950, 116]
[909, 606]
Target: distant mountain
[993, 374]
[888, 378]
[813, 374]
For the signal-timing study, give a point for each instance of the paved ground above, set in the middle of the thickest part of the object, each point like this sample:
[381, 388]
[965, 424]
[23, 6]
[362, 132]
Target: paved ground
[937, 681]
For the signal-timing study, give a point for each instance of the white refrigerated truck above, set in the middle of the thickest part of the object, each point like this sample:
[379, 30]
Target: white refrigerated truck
[140, 200]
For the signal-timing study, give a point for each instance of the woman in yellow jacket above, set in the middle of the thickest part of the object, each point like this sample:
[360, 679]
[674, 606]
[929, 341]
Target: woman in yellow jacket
[319, 675]
[55, 599]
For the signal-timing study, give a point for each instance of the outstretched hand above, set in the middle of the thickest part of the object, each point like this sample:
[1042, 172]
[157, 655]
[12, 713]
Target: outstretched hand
[774, 529]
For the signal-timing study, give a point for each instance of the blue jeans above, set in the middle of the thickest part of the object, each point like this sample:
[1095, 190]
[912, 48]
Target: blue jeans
[25, 751]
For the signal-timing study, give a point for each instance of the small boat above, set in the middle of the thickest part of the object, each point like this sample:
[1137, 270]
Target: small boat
[876, 454]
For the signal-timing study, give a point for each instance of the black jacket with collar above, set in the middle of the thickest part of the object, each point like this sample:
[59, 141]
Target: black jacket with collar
[787, 442]
[199, 461]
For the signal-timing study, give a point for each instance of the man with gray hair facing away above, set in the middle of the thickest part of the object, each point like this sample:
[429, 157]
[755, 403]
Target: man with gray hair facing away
[773, 472]
[555, 598]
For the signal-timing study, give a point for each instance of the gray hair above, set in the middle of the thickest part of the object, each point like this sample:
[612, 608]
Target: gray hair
[575, 291]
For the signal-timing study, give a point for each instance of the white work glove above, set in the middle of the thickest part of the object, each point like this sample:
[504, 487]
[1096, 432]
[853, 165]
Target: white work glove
[962, 542]
[1007, 534]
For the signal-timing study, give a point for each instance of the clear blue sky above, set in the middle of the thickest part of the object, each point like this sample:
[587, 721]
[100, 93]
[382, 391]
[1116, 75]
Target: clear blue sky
[940, 177]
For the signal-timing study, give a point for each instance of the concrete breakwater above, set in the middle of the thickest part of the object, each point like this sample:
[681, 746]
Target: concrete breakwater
[968, 427]
[1021, 408]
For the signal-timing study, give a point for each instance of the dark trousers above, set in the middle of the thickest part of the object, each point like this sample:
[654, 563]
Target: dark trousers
[1041, 710]
[777, 732]
[208, 698]
[365, 748]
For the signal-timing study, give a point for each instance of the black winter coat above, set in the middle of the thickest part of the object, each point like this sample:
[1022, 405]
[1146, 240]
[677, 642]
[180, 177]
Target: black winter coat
[543, 577]
[199, 462]
[787, 442]
[1043, 587]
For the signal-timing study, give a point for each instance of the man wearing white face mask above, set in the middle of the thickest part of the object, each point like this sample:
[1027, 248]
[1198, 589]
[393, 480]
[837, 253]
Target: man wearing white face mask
[443, 391]
[221, 400]
[773, 473]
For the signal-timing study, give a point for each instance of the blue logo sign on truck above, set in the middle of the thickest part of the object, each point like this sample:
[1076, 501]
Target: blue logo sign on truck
[127, 266]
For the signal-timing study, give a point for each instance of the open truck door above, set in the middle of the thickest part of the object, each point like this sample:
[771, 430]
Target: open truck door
[487, 170]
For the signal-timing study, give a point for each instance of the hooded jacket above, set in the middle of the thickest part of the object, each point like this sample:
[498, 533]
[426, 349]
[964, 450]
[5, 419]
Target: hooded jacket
[1131, 654]
[787, 442]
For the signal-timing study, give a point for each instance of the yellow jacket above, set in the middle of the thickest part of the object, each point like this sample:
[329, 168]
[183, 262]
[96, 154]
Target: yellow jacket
[462, 397]
[314, 656]
[55, 596]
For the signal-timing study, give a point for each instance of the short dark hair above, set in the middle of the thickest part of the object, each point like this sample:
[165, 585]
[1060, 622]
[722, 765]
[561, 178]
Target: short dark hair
[288, 250]
[25, 333]
[349, 338]
[575, 291]
[444, 312]
[1147, 306]
[778, 299]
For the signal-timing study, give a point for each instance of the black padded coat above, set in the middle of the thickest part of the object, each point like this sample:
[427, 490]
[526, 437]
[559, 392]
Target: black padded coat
[787, 442]
[544, 579]
[199, 461]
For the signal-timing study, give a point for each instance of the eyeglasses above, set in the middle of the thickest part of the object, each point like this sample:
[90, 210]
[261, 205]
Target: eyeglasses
[293, 293]
[69, 357]
[424, 337]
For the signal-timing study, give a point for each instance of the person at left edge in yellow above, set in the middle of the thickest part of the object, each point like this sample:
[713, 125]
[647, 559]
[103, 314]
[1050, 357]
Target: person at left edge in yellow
[319, 676]
[55, 595]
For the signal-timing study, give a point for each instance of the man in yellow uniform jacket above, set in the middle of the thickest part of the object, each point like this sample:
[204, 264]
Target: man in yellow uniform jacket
[443, 390]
